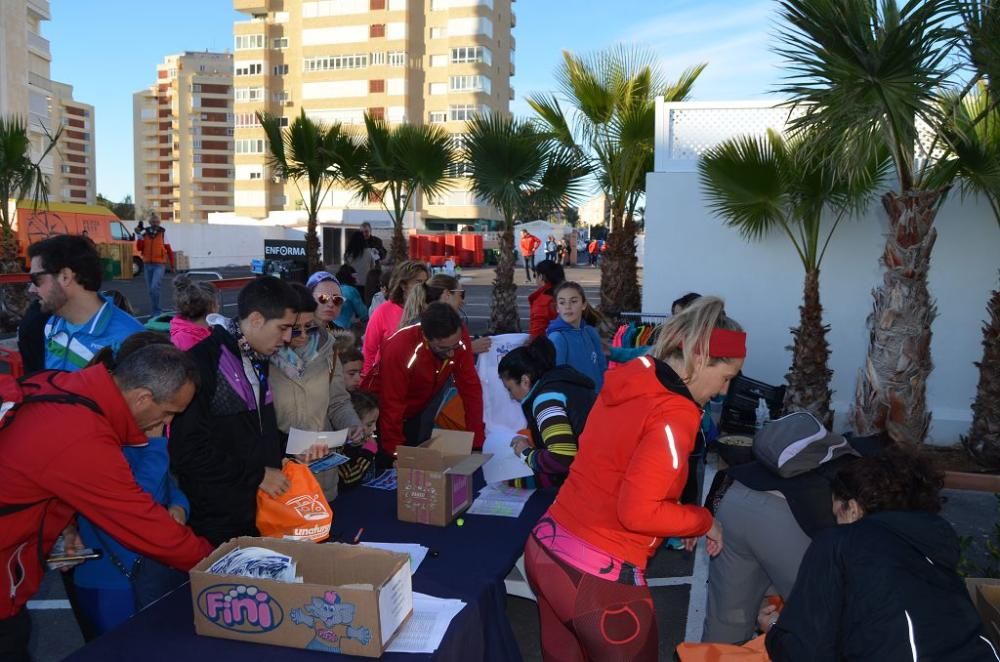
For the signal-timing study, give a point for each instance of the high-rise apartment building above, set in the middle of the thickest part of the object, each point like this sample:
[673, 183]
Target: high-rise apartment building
[27, 91]
[183, 138]
[434, 61]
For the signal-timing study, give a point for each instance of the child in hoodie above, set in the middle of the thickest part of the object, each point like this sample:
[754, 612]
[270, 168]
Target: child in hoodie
[577, 343]
[195, 301]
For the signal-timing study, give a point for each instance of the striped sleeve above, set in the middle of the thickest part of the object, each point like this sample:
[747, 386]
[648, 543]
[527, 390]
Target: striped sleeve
[354, 470]
[557, 447]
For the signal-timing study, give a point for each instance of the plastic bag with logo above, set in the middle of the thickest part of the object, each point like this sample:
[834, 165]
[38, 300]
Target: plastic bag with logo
[752, 651]
[301, 513]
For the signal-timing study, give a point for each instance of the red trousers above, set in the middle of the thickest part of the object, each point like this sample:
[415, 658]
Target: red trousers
[588, 619]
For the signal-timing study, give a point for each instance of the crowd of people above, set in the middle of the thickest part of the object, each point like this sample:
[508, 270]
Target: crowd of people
[155, 448]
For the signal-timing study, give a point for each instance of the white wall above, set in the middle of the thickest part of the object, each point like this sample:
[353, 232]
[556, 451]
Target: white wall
[688, 249]
[224, 245]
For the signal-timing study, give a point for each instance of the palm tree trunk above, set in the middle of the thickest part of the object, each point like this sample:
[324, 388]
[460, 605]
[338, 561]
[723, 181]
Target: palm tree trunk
[983, 442]
[397, 247]
[892, 388]
[504, 317]
[312, 246]
[619, 270]
[13, 298]
[809, 377]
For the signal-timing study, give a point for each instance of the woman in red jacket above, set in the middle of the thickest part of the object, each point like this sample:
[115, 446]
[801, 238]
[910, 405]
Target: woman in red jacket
[586, 557]
[549, 276]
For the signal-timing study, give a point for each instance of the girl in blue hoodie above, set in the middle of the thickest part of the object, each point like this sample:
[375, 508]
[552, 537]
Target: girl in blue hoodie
[577, 343]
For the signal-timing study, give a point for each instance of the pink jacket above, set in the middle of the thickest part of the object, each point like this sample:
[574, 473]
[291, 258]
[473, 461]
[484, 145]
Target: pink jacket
[185, 335]
[383, 323]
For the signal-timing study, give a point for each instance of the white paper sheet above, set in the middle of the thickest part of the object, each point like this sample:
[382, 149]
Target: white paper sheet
[417, 552]
[499, 410]
[299, 441]
[504, 465]
[500, 501]
[423, 632]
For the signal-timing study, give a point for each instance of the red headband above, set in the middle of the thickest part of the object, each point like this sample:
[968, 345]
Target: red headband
[726, 344]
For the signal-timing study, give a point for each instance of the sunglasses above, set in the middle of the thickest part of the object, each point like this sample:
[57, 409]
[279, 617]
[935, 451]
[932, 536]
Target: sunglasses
[36, 277]
[325, 299]
[299, 331]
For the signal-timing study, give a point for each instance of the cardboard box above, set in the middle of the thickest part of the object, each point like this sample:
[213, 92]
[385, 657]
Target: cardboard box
[988, 604]
[352, 600]
[435, 478]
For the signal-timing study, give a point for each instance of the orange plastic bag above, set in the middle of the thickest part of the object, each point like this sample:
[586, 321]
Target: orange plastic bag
[752, 651]
[301, 513]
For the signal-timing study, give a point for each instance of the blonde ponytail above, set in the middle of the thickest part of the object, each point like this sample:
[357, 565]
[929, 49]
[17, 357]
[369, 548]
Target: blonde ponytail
[685, 336]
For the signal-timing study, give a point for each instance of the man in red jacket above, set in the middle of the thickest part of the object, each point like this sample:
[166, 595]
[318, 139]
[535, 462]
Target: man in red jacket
[413, 370]
[61, 458]
[529, 244]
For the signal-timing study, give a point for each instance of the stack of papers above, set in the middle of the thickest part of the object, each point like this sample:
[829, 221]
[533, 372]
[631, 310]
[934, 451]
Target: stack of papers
[258, 563]
[504, 465]
[423, 632]
[385, 481]
[417, 552]
[501, 501]
[299, 441]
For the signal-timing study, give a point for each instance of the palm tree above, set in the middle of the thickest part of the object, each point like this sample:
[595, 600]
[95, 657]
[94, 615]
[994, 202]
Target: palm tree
[867, 74]
[320, 155]
[401, 160]
[763, 184]
[511, 164]
[20, 178]
[612, 96]
[974, 162]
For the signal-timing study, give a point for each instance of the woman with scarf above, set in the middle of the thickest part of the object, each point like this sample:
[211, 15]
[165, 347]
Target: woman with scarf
[307, 395]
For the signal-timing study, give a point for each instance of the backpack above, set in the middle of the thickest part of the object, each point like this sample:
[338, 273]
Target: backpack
[798, 443]
[15, 393]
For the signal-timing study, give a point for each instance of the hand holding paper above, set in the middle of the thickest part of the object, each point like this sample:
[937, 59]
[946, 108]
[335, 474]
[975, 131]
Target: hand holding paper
[300, 441]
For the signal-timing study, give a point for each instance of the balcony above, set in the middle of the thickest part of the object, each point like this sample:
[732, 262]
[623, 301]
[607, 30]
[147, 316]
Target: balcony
[250, 6]
[40, 8]
[39, 45]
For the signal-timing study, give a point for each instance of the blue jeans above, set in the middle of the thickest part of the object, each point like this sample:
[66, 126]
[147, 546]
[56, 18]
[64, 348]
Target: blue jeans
[154, 274]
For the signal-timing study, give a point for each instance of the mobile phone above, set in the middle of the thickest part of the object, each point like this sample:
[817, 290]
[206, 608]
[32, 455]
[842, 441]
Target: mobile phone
[84, 555]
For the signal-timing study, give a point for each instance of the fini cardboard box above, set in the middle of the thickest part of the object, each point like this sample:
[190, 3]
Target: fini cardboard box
[352, 599]
[988, 604]
[435, 478]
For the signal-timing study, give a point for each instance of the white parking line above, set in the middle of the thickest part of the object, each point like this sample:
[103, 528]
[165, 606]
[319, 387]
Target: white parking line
[699, 582]
[48, 604]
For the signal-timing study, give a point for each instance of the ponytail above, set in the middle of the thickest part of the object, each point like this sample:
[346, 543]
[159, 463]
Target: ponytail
[686, 335]
[534, 360]
[415, 303]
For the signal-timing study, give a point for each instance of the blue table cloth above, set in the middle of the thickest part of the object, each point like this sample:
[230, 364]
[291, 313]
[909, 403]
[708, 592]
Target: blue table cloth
[467, 562]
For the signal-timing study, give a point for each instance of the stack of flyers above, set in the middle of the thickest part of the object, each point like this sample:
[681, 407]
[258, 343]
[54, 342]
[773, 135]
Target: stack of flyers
[258, 563]
[329, 462]
[385, 481]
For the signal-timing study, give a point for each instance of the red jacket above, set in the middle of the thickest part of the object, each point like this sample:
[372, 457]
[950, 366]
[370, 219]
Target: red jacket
[408, 375]
[543, 310]
[622, 491]
[70, 459]
[529, 244]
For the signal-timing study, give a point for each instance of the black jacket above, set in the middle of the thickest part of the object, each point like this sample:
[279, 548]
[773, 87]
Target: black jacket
[576, 386]
[221, 444]
[31, 337]
[883, 589]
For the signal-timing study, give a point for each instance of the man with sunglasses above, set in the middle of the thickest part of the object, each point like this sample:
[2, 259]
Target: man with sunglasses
[65, 276]
[416, 365]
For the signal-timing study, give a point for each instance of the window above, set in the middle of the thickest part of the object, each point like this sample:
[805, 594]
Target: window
[250, 146]
[280, 96]
[249, 93]
[438, 33]
[438, 88]
[376, 86]
[377, 59]
[459, 168]
[438, 117]
[255, 175]
[376, 5]
[249, 68]
[469, 83]
[246, 120]
[282, 121]
[471, 54]
[246, 42]
[397, 59]
[462, 112]
[335, 62]
[280, 43]
[376, 30]
[281, 70]
[439, 60]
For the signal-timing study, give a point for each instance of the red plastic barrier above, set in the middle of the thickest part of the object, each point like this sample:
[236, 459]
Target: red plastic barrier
[414, 247]
[11, 363]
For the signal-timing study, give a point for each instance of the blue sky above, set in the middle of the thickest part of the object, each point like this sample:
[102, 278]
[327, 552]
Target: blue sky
[108, 49]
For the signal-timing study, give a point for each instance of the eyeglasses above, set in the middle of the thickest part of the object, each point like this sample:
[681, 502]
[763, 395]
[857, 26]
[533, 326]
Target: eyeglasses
[458, 293]
[325, 299]
[36, 277]
[299, 331]
[445, 351]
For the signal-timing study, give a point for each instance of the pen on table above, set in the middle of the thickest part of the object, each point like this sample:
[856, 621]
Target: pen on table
[357, 538]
